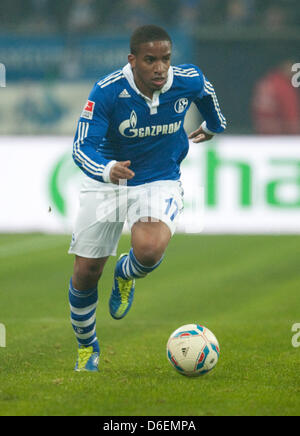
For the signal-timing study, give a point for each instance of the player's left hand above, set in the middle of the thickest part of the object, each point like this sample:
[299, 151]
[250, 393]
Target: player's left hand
[200, 136]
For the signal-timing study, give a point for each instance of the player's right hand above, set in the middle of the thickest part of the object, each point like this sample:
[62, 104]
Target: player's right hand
[121, 171]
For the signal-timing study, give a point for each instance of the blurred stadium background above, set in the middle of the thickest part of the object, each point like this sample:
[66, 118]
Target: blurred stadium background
[53, 52]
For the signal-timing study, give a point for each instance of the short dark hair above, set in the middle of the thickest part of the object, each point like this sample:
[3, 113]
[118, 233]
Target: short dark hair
[147, 33]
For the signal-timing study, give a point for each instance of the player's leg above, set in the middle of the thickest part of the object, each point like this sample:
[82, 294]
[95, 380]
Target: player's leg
[150, 237]
[87, 272]
[95, 238]
[149, 242]
[83, 299]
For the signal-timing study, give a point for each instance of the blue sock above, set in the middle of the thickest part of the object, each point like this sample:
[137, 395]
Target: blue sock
[130, 268]
[83, 306]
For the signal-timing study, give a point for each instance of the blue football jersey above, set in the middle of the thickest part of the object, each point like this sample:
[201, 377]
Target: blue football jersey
[119, 123]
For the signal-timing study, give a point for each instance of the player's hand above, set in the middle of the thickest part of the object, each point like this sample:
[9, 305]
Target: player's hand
[121, 171]
[200, 136]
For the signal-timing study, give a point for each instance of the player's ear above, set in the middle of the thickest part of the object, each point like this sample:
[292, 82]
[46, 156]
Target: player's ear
[132, 60]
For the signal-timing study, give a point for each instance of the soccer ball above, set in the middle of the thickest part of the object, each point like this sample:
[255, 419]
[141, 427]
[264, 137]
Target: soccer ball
[193, 350]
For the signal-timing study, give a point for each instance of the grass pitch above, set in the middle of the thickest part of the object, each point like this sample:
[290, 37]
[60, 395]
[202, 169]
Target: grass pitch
[243, 288]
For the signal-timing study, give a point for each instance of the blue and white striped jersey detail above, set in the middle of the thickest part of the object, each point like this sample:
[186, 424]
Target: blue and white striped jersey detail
[113, 128]
[209, 90]
[84, 161]
[113, 81]
[111, 78]
[185, 72]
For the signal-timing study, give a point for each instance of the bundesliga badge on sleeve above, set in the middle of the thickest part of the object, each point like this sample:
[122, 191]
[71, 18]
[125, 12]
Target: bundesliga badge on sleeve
[88, 110]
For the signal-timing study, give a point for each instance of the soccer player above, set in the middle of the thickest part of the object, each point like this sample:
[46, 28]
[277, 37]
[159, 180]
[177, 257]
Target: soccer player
[129, 144]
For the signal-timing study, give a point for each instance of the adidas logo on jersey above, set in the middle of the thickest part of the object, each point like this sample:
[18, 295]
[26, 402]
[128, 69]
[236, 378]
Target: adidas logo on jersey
[124, 94]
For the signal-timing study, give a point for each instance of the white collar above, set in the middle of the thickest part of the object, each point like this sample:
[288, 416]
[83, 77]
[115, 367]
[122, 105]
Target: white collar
[154, 103]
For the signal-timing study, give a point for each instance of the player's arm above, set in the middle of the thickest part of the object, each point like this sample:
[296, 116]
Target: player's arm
[208, 105]
[92, 128]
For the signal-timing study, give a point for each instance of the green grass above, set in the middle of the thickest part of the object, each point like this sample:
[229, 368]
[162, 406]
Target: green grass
[244, 288]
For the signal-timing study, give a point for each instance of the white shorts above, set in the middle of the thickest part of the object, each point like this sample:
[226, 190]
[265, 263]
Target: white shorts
[104, 208]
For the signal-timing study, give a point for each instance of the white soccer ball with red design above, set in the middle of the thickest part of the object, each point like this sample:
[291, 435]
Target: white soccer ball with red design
[193, 350]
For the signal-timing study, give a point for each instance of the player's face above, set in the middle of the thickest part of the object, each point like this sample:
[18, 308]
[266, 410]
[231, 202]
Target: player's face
[150, 66]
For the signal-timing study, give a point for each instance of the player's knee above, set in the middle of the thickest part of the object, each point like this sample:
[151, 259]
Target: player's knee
[86, 275]
[149, 252]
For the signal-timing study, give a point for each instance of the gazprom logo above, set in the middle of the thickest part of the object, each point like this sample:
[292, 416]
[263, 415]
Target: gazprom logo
[133, 119]
[128, 128]
[132, 122]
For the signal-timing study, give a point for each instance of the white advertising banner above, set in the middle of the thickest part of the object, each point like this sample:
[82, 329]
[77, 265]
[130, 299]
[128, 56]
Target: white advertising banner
[233, 184]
